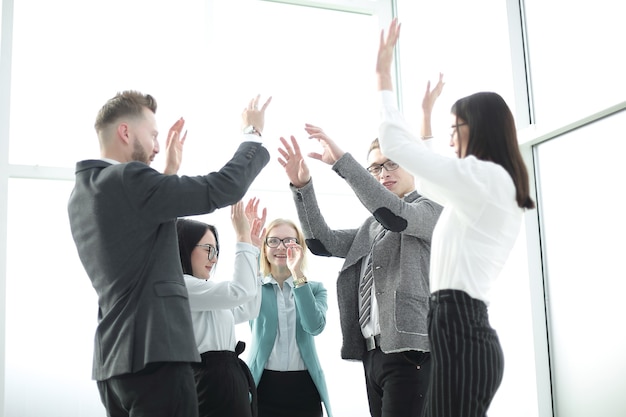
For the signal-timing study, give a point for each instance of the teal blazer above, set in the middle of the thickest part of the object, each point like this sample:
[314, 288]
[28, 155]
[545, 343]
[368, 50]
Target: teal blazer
[311, 306]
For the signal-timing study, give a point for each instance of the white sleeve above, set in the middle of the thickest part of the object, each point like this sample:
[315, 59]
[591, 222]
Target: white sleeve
[441, 178]
[250, 310]
[209, 295]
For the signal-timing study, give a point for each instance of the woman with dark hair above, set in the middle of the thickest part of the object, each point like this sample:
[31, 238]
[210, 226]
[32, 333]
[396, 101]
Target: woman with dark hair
[223, 381]
[484, 192]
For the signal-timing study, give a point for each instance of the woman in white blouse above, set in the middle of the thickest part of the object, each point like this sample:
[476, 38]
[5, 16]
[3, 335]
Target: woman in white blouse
[484, 193]
[223, 381]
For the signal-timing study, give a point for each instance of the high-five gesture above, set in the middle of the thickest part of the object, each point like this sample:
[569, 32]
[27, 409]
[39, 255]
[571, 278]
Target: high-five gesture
[385, 55]
[257, 231]
[296, 169]
[331, 153]
[174, 147]
[240, 222]
[252, 117]
[428, 102]
[430, 96]
[293, 162]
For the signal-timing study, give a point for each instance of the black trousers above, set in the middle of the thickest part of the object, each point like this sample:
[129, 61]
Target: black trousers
[468, 362]
[225, 385]
[288, 394]
[396, 382]
[161, 389]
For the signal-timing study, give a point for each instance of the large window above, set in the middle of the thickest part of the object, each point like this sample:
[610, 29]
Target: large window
[51, 308]
[70, 56]
[202, 60]
[575, 64]
[582, 223]
[467, 41]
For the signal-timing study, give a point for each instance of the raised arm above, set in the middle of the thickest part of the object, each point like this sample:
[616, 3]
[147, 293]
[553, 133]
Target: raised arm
[428, 103]
[174, 147]
[253, 118]
[257, 223]
[293, 161]
[240, 222]
[295, 167]
[250, 310]
[385, 56]
[331, 151]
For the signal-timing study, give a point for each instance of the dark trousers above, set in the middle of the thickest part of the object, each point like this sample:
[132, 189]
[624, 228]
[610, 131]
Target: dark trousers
[468, 362]
[288, 394]
[224, 385]
[396, 382]
[161, 389]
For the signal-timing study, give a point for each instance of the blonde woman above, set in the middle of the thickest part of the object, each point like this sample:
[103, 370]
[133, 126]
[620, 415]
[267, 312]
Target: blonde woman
[283, 359]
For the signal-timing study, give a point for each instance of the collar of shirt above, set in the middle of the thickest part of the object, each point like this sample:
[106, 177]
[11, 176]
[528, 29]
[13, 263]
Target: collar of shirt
[285, 354]
[268, 279]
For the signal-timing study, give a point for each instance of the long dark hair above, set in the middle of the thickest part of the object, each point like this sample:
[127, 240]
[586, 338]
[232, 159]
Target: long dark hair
[493, 137]
[189, 234]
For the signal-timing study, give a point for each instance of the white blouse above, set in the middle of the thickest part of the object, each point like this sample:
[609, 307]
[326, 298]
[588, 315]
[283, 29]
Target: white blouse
[217, 306]
[285, 355]
[480, 221]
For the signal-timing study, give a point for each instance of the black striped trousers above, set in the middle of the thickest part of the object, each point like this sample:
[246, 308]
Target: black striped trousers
[467, 359]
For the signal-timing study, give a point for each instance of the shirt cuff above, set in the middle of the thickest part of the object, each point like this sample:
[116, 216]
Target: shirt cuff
[246, 247]
[251, 137]
[388, 98]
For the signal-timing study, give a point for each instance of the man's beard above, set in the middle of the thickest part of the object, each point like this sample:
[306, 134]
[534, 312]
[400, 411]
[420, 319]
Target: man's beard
[139, 153]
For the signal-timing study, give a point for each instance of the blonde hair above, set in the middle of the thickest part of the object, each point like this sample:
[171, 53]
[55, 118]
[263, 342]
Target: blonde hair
[265, 266]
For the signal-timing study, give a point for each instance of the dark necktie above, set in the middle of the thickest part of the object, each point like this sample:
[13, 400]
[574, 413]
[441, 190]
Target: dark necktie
[365, 289]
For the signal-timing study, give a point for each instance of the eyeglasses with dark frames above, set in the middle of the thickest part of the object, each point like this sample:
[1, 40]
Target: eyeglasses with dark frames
[274, 242]
[455, 127]
[211, 250]
[376, 169]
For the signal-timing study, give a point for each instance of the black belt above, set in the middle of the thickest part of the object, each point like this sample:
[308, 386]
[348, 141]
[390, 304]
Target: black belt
[372, 342]
[456, 297]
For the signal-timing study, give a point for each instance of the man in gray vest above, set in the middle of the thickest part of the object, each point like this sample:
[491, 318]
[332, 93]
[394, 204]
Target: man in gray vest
[382, 287]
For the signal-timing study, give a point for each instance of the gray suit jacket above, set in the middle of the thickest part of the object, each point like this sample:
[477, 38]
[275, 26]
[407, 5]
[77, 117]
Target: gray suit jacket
[122, 219]
[401, 260]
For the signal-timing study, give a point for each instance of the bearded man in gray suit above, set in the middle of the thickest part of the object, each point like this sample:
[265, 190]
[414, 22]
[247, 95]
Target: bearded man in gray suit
[123, 220]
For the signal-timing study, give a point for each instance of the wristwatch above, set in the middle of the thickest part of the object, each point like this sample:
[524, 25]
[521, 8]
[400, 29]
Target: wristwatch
[251, 130]
[298, 282]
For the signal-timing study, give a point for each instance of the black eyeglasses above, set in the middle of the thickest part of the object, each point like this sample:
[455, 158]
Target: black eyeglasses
[376, 169]
[274, 242]
[210, 249]
[455, 127]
